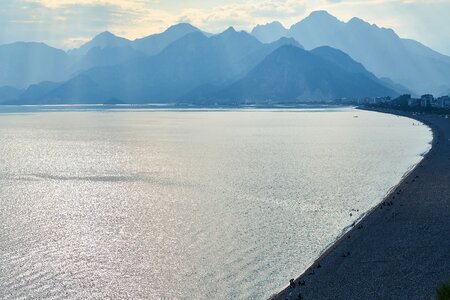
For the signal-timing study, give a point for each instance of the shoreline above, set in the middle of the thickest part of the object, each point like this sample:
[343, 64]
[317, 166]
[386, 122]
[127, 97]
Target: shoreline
[340, 274]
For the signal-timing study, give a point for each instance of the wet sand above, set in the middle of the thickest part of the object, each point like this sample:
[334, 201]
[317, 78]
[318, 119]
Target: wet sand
[401, 249]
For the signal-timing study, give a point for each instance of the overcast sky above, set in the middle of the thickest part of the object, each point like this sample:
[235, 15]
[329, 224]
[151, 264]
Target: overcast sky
[68, 23]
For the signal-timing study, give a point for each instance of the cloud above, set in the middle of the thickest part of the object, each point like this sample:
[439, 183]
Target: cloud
[125, 4]
[243, 15]
[74, 42]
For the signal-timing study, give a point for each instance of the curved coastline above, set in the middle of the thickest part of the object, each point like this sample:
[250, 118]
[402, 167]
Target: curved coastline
[370, 255]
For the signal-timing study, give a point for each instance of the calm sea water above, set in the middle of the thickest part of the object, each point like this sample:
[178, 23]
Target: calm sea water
[148, 204]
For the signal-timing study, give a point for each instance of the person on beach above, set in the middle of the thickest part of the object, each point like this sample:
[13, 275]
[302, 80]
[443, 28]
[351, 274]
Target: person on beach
[292, 283]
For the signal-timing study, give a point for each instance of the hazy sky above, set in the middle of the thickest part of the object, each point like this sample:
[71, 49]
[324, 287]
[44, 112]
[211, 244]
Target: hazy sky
[68, 23]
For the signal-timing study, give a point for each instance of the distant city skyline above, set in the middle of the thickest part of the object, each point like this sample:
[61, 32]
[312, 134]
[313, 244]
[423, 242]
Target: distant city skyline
[69, 23]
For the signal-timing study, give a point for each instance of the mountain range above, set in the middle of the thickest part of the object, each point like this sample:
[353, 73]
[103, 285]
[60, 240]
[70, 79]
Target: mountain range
[317, 59]
[26, 63]
[380, 50]
[291, 74]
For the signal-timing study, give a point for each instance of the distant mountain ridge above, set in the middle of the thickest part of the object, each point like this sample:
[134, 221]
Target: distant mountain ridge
[291, 74]
[184, 64]
[22, 64]
[155, 43]
[380, 50]
[230, 67]
[149, 45]
[103, 40]
[190, 62]
[269, 32]
[9, 94]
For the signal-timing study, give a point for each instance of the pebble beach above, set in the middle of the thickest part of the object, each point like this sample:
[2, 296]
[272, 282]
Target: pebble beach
[401, 248]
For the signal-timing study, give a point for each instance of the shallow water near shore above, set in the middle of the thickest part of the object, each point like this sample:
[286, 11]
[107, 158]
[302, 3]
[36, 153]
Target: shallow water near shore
[190, 204]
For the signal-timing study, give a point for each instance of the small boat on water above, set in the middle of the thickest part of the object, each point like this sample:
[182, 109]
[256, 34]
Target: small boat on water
[355, 116]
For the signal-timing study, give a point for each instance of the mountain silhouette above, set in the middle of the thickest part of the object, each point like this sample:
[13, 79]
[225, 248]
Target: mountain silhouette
[291, 74]
[99, 57]
[183, 64]
[155, 43]
[9, 94]
[190, 62]
[229, 65]
[269, 32]
[103, 40]
[380, 50]
[23, 64]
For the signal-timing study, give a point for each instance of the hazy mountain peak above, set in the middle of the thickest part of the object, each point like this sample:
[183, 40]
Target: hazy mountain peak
[181, 27]
[340, 59]
[285, 49]
[103, 40]
[287, 41]
[319, 25]
[328, 49]
[22, 44]
[321, 13]
[25, 63]
[290, 74]
[269, 32]
[106, 38]
[356, 20]
[31, 49]
[321, 16]
[155, 43]
[237, 40]
[230, 30]
[105, 34]
[273, 25]
[276, 24]
[380, 50]
[361, 24]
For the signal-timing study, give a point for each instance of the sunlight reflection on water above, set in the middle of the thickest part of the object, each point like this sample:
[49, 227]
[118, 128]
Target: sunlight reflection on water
[185, 204]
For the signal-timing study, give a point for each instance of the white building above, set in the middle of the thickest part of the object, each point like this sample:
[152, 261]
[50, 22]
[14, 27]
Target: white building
[443, 102]
[426, 100]
[413, 102]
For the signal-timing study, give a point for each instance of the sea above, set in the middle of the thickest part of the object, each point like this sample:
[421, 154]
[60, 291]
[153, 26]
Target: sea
[186, 203]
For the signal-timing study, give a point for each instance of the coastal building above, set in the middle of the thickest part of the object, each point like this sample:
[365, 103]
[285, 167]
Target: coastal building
[426, 100]
[413, 102]
[374, 100]
[362, 101]
[382, 100]
[347, 101]
[446, 102]
[443, 102]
